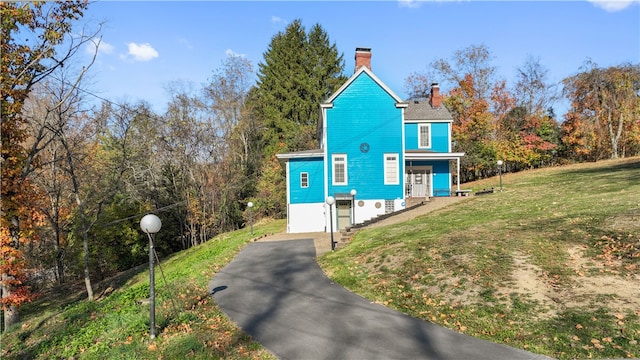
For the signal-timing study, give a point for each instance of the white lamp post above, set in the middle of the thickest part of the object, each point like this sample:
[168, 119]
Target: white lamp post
[500, 162]
[151, 224]
[250, 205]
[353, 197]
[330, 201]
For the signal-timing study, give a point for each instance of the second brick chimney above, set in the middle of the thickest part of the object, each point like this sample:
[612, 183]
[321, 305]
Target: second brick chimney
[363, 58]
[436, 99]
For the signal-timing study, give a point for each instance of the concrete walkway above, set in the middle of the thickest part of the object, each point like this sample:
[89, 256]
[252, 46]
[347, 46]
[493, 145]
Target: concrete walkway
[322, 240]
[276, 292]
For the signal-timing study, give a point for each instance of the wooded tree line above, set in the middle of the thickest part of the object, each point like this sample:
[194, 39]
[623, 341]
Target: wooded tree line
[76, 178]
[518, 124]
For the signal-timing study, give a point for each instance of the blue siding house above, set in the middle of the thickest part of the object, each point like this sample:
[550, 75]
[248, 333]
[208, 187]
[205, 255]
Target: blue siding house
[377, 153]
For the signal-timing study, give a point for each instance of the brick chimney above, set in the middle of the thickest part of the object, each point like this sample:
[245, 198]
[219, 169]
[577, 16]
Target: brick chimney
[436, 99]
[363, 58]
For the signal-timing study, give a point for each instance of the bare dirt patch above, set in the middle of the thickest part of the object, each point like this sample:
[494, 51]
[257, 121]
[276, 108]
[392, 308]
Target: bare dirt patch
[619, 293]
[529, 282]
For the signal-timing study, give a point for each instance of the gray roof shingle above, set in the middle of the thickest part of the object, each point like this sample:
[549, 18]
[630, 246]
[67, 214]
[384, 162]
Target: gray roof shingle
[421, 109]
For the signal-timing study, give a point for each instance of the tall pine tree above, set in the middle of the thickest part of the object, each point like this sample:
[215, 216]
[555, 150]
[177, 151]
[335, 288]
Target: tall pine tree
[300, 70]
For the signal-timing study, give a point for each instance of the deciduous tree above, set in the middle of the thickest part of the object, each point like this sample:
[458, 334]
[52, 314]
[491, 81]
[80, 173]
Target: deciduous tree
[30, 48]
[474, 61]
[532, 88]
[606, 98]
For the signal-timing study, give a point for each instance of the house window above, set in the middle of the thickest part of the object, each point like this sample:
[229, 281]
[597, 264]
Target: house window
[391, 169]
[339, 169]
[424, 136]
[389, 206]
[304, 180]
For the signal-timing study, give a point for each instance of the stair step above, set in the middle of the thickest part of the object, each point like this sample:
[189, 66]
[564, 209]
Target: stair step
[345, 236]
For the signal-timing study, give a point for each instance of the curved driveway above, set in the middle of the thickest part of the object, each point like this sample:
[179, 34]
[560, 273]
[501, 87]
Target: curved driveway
[276, 292]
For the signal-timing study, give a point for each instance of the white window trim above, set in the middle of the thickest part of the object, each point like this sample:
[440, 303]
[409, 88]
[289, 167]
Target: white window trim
[333, 166]
[420, 126]
[301, 181]
[387, 163]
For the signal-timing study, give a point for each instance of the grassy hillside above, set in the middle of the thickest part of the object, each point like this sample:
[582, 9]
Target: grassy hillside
[549, 265]
[61, 325]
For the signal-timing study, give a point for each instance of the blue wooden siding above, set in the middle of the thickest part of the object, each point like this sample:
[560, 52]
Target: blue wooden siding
[365, 113]
[441, 178]
[315, 192]
[439, 136]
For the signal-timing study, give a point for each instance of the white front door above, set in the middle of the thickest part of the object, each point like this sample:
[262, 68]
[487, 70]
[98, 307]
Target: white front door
[419, 182]
[343, 210]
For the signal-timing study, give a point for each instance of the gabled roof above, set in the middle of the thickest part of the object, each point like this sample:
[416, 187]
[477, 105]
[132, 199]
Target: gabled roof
[421, 109]
[363, 69]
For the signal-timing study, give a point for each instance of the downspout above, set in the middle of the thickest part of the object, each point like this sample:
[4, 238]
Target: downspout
[288, 177]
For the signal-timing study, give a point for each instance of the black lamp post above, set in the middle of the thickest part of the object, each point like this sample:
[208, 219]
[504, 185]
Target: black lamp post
[250, 205]
[151, 224]
[330, 201]
[500, 162]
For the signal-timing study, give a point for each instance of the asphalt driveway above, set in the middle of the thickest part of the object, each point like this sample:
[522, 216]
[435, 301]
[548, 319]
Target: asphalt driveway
[276, 292]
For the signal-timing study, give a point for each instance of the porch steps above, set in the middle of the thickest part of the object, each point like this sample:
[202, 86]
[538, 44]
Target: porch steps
[349, 232]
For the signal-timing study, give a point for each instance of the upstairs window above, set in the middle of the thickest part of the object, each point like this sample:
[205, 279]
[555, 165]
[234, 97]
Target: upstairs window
[339, 169]
[304, 180]
[424, 136]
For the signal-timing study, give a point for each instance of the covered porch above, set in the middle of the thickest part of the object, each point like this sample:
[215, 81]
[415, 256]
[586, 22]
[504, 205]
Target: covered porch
[429, 174]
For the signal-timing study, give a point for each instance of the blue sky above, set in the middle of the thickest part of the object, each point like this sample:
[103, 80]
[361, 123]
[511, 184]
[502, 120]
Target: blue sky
[146, 45]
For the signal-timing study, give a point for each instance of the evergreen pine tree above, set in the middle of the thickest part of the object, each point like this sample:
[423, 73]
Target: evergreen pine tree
[299, 72]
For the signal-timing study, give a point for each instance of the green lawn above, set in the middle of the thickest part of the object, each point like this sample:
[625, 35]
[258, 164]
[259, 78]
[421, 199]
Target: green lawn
[62, 325]
[549, 265]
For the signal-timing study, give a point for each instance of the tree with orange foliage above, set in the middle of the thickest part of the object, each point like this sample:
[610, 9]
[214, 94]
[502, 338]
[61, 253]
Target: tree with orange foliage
[604, 111]
[472, 130]
[31, 33]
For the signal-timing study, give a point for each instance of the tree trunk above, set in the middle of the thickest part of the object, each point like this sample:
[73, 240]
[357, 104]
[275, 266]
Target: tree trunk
[58, 250]
[11, 313]
[614, 135]
[60, 265]
[612, 138]
[85, 246]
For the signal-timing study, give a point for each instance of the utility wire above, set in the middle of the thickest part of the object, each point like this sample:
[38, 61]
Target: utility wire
[164, 208]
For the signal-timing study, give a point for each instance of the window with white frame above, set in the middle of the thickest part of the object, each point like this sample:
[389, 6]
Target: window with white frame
[424, 136]
[391, 169]
[339, 169]
[304, 180]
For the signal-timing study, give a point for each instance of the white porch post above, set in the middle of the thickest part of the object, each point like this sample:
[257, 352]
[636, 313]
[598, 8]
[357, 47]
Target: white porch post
[458, 173]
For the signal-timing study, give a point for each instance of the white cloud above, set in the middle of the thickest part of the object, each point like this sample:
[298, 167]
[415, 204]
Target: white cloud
[277, 20]
[103, 47]
[185, 42]
[613, 5]
[409, 3]
[142, 52]
[230, 52]
[414, 4]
